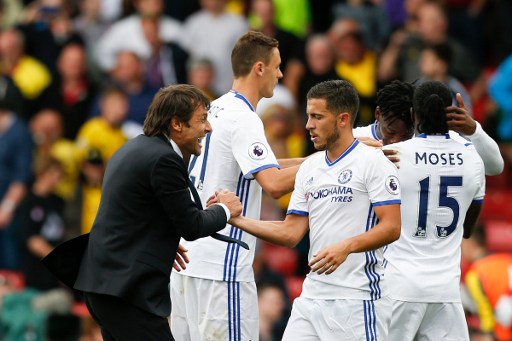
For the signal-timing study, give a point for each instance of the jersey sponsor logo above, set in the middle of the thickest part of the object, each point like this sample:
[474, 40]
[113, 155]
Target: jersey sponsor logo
[393, 185]
[258, 151]
[337, 194]
[345, 176]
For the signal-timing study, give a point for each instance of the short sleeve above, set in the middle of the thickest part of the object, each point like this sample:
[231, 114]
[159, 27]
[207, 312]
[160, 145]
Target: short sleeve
[382, 180]
[250, 146]
[298, 202]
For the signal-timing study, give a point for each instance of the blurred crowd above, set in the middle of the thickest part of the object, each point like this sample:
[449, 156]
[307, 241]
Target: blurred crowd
[77, 77]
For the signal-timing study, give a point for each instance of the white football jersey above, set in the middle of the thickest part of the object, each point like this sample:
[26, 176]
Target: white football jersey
[234, 150]
[338, 198]
[366, 131]
[440, 178]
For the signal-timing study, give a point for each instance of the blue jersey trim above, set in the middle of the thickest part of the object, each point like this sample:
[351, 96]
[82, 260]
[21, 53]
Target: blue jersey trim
[477, 201]
[304, 213]
[259, 169]
[374, 130]
[370, 320]
[242, 97]
[424, 136]
[371, 260]
[232, 250]
[345, 153]
[387, 202]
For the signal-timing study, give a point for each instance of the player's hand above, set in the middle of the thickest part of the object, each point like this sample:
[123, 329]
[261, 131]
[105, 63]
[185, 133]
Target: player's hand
[330, 258]
[458, 118]
[231, 201]
[370, 142]
[392, 155]
[212, 200]
[181, 259]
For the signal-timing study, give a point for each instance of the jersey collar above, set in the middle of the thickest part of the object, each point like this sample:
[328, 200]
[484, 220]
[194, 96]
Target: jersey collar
[242, 97]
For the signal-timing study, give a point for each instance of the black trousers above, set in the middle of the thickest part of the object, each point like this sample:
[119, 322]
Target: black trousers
[121, 321]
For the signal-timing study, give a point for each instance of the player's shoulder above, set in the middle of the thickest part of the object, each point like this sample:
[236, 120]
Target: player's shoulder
[229, 104]
[365, 131]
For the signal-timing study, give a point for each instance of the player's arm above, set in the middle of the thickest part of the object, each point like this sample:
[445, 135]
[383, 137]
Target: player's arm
[459, 120]
[277, 182]
[385, 232]
[286, 233]
[471, 218]
[285, 163]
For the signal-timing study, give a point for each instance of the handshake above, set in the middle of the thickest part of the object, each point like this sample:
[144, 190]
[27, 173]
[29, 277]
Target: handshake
[229, 199]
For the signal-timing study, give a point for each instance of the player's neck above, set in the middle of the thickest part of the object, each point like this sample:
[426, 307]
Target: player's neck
[247, 89]
[340, 146]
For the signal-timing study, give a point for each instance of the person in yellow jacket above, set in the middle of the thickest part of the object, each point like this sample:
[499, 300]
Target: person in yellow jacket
[488, 282]
[104, 133]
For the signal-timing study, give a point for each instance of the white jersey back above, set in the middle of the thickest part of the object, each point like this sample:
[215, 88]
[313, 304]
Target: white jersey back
[440, 178]
[234, 150]
[338, 198]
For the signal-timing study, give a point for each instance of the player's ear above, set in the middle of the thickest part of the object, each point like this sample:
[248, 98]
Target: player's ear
[378, 114]
[258, 68]
[343, 119]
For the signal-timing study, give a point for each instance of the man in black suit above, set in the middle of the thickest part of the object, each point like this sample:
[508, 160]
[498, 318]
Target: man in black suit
[146, 206]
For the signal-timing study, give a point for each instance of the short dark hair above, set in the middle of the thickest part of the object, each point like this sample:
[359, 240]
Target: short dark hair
[178, 101]
[249, 49]
[395, 102]
[430, 100]
[340, 96]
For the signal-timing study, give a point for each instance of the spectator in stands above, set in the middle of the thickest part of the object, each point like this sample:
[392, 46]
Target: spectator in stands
[47, 28]
[371, 18]
[29, 75]
[128, 74]
[90, 24]
[435, 63]
[104, 133]
[211, 33]
[46, 128]
[15, 177]
[488, 283]
[42, 225]
[71, 92]
[501, 92]
[273, 311]
[82, 208]
[12, 96]
[356, 64]
[128, 33]
[317, 66]
[167, 62]
[401, 56]
[200, 73]
[261, 18]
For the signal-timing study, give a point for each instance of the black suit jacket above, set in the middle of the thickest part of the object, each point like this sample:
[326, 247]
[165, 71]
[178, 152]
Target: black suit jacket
[145, 208]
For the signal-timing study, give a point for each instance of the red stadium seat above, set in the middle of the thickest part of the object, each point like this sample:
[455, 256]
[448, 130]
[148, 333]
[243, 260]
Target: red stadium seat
[294, 286]
[499, 235]
[497, 205]
[15, 279]
[280, 259]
